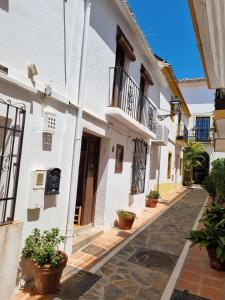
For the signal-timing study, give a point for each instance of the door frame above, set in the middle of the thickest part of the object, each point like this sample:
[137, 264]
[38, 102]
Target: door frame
[87, 134]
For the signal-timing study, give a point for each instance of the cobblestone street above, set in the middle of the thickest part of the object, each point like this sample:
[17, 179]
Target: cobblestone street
[142, 269]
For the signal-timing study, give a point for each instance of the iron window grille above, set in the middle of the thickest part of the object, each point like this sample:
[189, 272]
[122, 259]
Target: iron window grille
[139, 167]
[12, 121]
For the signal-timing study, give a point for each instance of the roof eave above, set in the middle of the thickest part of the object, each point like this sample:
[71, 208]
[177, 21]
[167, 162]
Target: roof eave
[198, 38]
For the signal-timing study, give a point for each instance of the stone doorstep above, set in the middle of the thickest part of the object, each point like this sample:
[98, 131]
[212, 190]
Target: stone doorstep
[84, 238]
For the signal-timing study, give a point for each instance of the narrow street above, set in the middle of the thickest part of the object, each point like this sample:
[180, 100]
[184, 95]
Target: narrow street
[142, 269]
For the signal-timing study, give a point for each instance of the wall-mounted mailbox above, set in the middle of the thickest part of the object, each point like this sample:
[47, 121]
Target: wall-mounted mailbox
[52, 181]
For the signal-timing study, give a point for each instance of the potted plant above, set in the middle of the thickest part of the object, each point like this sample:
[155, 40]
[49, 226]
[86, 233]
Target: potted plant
[152, 199]
[46, 260]
[126, 219]
[212, 236]
[192, 159]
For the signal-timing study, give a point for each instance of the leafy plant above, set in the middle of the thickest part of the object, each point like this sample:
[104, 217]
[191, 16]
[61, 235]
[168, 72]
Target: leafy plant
[209, 185]
[126, 214]
[212, 236]
[218, 176]
[42, 248]
[192, 158]
[154, 195]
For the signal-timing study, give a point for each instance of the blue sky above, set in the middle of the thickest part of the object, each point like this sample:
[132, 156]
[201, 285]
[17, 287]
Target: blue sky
[168, 27]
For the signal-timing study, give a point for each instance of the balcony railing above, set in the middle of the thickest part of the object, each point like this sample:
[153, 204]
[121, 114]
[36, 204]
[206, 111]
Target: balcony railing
[182, 134]
[220, 99]
[201, 135]
[128, 97]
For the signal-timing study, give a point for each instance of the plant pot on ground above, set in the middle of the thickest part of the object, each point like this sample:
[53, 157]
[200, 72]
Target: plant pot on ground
[47, 261]
[212, 236]
[152, 199]
[126, 219]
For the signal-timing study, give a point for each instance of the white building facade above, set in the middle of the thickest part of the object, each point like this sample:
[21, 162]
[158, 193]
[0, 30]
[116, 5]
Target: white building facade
[200, 101]
[80, 93]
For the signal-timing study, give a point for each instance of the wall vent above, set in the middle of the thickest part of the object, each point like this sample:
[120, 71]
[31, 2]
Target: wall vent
[3, 69]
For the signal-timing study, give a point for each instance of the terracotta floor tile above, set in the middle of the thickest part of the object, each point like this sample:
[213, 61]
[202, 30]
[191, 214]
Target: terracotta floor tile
[191, 276]
[213, 294]
[218, 283]
[192, 287]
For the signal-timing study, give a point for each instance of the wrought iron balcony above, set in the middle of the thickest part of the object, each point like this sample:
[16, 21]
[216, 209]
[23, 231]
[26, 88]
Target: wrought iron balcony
[182, 135]
[204, 135]
[220, 99]
[127, 96]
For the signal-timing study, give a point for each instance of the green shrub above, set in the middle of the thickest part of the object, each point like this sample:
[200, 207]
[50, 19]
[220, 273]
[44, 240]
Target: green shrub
[125, 214]
[218, 176]
[212, 236]
[209, 185]
[42, 248]
[154, 195]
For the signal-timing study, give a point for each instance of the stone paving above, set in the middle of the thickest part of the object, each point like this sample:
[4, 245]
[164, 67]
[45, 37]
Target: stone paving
[142, 269]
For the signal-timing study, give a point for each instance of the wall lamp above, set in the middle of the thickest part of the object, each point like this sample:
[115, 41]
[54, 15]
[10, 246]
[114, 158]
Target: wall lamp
[175, 105]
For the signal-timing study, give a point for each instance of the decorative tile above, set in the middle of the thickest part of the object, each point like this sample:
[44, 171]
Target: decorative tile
[75, 286]
[93, 250]
[154, 259]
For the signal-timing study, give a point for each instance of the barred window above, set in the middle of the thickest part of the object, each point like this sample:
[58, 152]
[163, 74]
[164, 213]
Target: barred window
[139, 167]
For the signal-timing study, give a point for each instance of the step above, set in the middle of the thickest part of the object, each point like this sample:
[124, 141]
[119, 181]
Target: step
[82, 239]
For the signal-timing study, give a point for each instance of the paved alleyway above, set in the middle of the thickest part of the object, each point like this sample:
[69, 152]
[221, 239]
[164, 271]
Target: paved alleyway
[142, 269]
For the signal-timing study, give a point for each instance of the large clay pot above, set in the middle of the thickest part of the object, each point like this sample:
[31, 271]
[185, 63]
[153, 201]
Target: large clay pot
[151, 202]
[126, 223]
[46, 278]
[215, 263]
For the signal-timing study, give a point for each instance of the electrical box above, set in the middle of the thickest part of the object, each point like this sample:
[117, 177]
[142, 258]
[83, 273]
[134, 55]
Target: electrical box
[49, 122]
[52, 184]
[39, 179]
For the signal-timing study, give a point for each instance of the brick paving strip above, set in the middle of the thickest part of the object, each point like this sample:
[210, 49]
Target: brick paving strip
[142, 269]
[199, 278]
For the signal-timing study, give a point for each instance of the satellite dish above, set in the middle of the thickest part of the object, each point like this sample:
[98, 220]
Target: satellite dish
[48, 90]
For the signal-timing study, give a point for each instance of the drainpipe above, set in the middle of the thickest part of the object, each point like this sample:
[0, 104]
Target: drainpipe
[159, 166]
[78, 133]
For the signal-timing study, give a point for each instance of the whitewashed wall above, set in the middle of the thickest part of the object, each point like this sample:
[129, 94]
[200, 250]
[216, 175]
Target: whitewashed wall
[40, 33]
[105, 16]
[113, 189]
[200, 101]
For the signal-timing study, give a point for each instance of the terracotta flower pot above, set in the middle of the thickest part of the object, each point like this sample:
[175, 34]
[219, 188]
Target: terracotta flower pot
[126, 223]
[215, 263]
[151, 202]
[46, 278]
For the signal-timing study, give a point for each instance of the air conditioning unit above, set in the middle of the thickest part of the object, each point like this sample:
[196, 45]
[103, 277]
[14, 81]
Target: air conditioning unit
[162, 135]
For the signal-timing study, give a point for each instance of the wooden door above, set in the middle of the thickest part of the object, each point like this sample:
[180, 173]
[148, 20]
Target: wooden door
[118, 75]
[88, 176]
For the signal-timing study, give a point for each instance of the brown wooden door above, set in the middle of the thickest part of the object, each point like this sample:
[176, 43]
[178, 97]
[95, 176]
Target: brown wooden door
[118, 76]
[88, 176]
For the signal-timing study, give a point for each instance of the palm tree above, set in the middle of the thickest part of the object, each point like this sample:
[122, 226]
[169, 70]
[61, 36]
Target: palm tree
[192, 158]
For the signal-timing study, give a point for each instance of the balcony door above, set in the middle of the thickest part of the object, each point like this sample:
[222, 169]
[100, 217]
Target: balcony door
[119, 76]
[202, 129]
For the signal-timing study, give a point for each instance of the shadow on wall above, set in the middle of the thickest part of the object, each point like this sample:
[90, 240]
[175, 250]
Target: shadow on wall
[154, 161]
[4, 5]
[33, 214]
[24, 272]
[49, 201]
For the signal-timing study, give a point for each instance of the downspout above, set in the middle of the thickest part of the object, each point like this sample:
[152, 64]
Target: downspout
[78, 133]
[159, 166]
